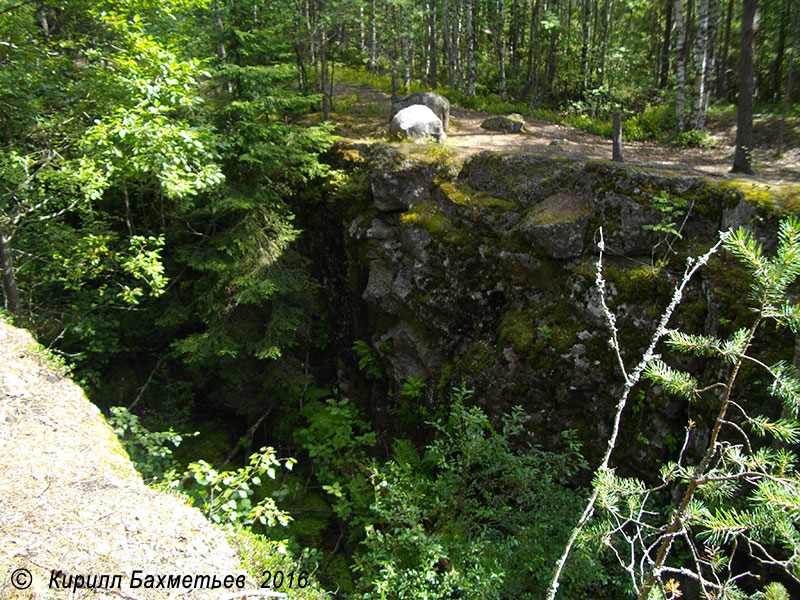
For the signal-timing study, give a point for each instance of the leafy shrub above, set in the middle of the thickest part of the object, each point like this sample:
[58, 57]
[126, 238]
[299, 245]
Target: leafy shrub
[657, 120]
[223, 496]
[336, 440]
[474, 517]
[694, 138]
[150, 451]
[366, 360]
[227, 496]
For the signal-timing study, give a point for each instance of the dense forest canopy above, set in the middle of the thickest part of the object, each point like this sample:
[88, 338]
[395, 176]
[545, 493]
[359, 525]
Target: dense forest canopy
[160, 161]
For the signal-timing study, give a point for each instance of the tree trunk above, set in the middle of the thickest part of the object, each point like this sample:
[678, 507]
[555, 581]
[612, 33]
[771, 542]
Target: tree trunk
[457, 45]
[323, 57]
[776, 74]
[616, 129]
[722, 65]
[514, 37]
[448, 44]
[680, 78]
[501, 58]
[373, 39]
[362, 38]
[742, 159]
[432, 50]
[604, 42]
[218, 21]
[470, 48]
[10, 291]
[715, 13]
[787, 94]
[404, 50]
[223, 55]
[533, 55]
[312, 51]
[587, 36]
[551, 63]
[700, 64]
[665, 46]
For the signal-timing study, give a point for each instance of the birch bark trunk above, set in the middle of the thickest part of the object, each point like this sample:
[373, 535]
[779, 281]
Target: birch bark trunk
[470, 47]
[500, 50]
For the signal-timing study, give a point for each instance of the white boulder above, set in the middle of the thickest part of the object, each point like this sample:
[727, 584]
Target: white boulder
[415, 122]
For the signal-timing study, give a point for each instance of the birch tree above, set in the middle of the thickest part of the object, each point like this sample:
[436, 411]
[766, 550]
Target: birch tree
[500, 50]
[470, 33]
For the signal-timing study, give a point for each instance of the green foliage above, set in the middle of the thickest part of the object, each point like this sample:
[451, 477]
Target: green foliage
[655, 122]
[413, 410]
[477, 517]
[694, 138]
[366, 360]
[744, 490]
[52, 359]
[260, 555]
[150, 451]
[336, 439]
[227, 496]
[673, 208]
[224, 496]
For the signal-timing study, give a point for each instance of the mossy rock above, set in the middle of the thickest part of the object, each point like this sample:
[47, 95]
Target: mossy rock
[512, 123]
[462, 194]
[430, 217]
[521, 178]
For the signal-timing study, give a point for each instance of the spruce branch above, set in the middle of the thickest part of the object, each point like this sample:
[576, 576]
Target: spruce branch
[631, 379]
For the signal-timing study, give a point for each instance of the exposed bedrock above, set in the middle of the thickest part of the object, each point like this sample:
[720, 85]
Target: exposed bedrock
[489, 275]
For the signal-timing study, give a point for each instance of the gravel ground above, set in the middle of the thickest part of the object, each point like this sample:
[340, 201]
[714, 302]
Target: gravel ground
[70, 499]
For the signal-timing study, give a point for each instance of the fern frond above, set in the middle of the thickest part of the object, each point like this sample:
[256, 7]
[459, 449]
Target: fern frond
[405, 454]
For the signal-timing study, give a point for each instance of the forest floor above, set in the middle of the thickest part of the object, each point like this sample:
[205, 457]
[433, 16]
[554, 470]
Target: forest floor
[72, 501]
[363, 112]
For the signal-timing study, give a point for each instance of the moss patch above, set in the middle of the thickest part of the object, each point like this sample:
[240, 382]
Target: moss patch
[558, 208]
[429, 216]
[518, 328]
[779, 198]
[462, 194]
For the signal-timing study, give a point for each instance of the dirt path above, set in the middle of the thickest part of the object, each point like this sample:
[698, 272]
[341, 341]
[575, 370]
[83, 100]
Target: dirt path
[369, 111]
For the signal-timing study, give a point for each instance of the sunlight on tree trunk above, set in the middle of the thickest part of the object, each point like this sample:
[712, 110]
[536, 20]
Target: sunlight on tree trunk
[742, 159]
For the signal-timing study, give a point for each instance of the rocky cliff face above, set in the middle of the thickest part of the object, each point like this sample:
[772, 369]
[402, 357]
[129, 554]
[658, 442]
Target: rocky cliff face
[489, 274]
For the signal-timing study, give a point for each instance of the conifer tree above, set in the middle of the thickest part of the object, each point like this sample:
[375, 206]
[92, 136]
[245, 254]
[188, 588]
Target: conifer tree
[742, 492]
